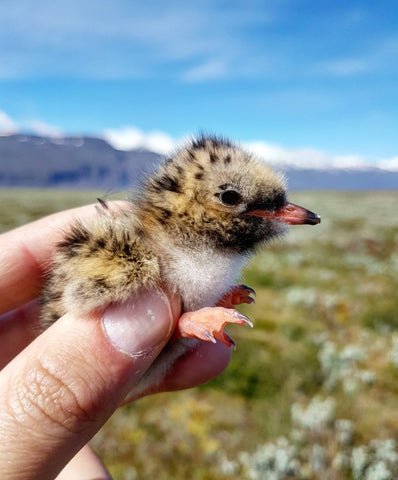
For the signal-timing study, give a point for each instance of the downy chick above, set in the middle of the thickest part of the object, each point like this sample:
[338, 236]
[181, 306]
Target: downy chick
[188, 231]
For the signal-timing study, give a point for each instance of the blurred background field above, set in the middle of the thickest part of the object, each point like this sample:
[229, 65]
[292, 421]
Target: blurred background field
[311, 392]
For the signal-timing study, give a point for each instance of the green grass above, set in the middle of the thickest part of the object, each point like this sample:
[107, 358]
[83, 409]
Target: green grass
[325, 318]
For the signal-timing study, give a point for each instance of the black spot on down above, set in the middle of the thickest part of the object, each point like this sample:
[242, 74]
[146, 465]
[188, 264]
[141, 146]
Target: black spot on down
[167, 183]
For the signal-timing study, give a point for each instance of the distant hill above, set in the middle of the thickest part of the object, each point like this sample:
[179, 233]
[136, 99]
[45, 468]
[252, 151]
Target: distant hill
[73, 162]
[84, 162]
[341, 179]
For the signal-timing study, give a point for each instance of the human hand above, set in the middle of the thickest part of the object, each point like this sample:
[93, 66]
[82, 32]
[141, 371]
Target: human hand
[62, 386]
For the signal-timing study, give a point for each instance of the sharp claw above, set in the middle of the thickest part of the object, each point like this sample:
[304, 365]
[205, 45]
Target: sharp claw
[245, 319]
[231, 342]
[210, 337]
[248, 288]
[252, 300]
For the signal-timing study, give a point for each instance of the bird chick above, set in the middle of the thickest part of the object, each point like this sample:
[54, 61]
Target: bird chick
[188, 232]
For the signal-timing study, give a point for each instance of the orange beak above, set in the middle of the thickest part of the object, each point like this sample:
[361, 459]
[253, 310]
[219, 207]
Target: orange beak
[290, 213]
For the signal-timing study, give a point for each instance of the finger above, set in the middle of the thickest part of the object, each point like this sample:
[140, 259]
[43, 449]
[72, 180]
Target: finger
[85, 466]
[17, 329]
[62, 388]
[25, 254]
[201, 365]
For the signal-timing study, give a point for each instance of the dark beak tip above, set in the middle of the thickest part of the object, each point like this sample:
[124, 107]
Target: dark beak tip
[315, 219]
[302, 215]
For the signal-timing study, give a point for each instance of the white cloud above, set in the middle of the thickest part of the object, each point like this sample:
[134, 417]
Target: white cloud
[305, 157]
[7, 125]
[43, 129]
[346, 67]
[119, 40]
[208, 71]
[382, 54]
[129, 138]
[389, 164]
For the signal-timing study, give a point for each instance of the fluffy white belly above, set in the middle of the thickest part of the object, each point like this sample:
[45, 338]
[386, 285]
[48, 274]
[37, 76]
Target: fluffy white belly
[202, 277]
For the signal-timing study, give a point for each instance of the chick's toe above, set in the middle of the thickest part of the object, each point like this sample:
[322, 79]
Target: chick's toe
[237, 295]
[208, 324]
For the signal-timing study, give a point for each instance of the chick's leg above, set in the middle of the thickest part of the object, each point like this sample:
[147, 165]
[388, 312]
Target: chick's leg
[208, 324]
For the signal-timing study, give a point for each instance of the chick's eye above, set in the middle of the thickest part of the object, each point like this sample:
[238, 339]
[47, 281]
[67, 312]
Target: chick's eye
[230, 197]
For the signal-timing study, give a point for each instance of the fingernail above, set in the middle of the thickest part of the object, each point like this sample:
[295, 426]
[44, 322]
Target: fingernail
[140, 324]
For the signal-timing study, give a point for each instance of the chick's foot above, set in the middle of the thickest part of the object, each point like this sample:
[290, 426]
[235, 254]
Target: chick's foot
[208, 324]
[237, 295]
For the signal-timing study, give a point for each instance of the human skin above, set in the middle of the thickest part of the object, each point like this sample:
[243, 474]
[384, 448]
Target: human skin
[58, 388]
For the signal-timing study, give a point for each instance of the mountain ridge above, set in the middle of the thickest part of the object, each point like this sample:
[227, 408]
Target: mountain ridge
[93, 163]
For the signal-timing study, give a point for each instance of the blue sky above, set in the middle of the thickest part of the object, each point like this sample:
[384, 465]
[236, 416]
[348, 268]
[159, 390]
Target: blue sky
[290, 76]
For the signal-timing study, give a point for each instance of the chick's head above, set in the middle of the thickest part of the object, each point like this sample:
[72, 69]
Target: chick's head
[216, 192]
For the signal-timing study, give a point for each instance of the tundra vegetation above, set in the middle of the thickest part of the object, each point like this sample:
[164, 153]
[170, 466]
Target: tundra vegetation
[312, 390]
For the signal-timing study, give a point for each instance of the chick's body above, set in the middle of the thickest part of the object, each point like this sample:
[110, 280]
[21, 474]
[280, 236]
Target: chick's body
[188, 232]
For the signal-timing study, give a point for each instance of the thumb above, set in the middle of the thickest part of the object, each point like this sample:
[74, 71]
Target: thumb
[62, 388]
